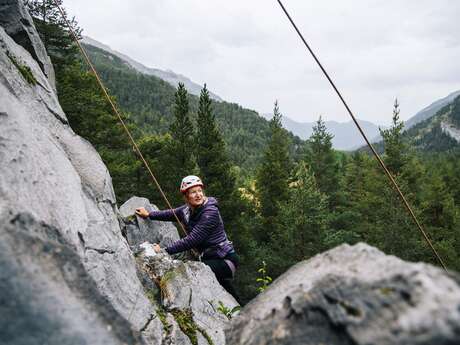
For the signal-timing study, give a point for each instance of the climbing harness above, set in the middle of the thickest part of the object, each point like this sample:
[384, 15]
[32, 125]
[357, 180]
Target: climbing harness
[377, 156]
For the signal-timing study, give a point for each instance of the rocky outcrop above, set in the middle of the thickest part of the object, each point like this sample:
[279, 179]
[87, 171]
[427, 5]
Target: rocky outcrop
[450, 130]
[58, 177]
[188, 297]
[18, 24]
[354, 295]
[46, 295]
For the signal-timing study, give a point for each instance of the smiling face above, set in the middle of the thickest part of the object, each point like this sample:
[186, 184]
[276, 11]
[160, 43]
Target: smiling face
[195, 196]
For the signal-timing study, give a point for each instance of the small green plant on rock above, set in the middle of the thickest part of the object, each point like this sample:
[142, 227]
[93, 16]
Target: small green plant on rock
[161, 313]
[223, 309]
[264, 280]
[184, 318]
[25, 70]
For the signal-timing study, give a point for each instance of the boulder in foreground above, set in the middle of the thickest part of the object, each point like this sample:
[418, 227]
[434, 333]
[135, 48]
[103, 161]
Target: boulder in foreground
[354, 295]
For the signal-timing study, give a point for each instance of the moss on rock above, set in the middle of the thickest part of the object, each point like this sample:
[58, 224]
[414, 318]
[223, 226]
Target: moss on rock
[184, 318]
[163, 318]
[25, 70]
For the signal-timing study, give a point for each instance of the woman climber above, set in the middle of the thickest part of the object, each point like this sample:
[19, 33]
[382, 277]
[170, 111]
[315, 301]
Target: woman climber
[205, 231]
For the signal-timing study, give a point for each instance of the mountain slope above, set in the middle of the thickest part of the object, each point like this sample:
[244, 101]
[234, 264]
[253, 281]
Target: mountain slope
[431, 110]
[440, 132]
[149, 100]
[424, 114]
[169, 76]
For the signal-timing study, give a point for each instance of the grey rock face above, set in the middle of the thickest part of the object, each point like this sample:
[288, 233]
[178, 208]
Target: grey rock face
[187, 294]
[46, 295]
[354, 295]
[18, 24]
[58, 177]
[141, 230]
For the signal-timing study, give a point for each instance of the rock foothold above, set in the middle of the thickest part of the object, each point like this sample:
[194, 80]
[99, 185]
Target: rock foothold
[353, 295]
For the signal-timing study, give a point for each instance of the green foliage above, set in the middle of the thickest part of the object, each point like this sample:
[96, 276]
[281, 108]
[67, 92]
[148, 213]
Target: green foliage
[228, 312]
[273, 176]
[25, 70]
[53, 31]
[304, 220]
[214, 163]
[157, 150]
[184, 318]
[263, 280]
[323, 161]
[395, 147]
[161, 313]
[455, 112]
[182, 159]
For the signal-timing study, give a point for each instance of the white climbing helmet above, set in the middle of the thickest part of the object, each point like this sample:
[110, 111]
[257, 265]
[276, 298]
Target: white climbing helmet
[189, 182]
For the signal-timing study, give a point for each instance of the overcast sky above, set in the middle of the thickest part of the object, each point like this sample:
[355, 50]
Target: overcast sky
[247, 52]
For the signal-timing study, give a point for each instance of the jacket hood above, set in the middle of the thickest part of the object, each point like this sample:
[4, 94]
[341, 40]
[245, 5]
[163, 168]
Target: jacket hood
[212, 202]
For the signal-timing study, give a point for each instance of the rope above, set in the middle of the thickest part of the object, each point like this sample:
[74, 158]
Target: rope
[377, 156]
[115, 110]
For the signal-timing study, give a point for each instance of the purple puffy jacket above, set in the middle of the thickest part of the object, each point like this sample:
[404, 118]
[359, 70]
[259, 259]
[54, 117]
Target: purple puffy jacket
[205, 229]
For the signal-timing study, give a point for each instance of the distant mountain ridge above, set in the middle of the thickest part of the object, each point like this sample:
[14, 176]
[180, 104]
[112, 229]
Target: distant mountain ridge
[425, 113]
[169, 76]
[431, 110]
[439, 132]
[346, 135]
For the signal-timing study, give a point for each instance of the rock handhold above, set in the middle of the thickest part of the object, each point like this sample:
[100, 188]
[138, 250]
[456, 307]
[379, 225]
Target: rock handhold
[138, 230]
[354, 295]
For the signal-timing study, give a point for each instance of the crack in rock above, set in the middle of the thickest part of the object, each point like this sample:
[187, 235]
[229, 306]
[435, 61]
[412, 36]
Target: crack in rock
[101, 251]
[150, 319]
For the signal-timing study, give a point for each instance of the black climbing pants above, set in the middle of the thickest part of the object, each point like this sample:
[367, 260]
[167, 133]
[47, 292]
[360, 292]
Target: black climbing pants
[224, 273]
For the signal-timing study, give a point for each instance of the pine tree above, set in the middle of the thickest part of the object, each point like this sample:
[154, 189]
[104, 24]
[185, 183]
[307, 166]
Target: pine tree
[183, 146]
[323, 162]
[304, 222]
[395, 147]
[54, 33]
[272, 176]
[213, 161]
[156, 149]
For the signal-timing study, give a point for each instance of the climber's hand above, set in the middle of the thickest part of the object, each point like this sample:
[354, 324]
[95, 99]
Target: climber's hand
[156, 248]
[142, 212]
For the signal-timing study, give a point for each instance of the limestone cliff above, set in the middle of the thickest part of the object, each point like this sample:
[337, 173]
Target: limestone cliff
[67, 274]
